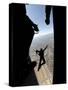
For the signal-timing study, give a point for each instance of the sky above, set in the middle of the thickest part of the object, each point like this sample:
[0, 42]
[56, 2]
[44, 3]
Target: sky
[37, 14]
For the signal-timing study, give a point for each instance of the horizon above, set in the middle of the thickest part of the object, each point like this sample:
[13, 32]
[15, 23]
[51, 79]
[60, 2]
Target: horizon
[42, 34]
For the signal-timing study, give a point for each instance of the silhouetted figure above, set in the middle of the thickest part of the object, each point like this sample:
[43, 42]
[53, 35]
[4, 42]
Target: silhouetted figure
[41, 54]
[21, 32]
[59, 20]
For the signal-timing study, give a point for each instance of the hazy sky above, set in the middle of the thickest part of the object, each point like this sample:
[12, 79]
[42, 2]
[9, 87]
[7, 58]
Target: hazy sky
[37, 15]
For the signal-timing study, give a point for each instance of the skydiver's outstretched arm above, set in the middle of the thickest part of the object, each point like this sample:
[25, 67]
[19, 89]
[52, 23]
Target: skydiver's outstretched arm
[37, 51]
[45, 47]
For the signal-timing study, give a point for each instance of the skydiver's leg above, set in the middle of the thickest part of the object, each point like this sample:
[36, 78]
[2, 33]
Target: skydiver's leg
[39, 64]
[43, 60]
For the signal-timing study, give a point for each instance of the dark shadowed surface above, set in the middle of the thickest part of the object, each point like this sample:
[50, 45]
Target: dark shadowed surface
[59, 19]
[20, 37]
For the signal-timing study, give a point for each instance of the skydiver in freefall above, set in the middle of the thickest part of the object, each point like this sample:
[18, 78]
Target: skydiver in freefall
[41, 54]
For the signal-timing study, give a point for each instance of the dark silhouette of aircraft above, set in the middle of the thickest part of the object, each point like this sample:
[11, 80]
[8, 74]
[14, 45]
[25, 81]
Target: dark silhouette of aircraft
[41, 54]
[21, 32]
[59, 20]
